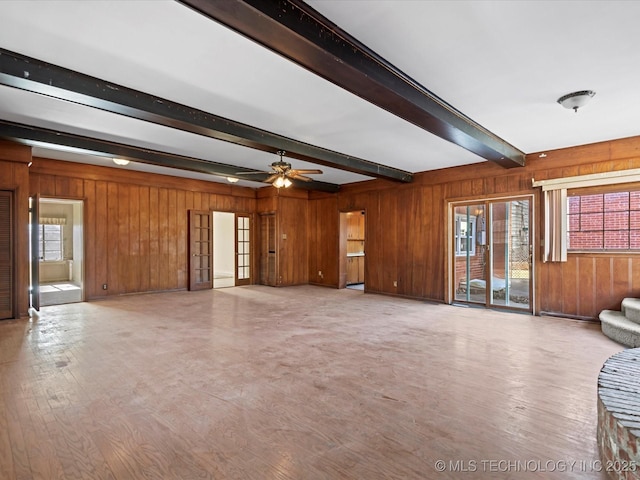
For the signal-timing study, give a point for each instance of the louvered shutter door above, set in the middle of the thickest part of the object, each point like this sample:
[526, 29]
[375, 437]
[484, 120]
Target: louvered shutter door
[6, 255]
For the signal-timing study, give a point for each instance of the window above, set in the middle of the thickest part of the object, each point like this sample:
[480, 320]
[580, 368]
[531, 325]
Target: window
[465, 235]
[604, 221]
[605, 217]
[50, 242]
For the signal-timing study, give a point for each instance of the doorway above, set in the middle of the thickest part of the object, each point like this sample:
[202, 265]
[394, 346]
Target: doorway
[231, 249]
[57, 242]
[352, 249]
[223, 250]
[492, 254]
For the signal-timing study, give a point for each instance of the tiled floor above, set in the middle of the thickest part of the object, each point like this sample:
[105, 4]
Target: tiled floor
[296, 383]
[223, 280]
[59, 293]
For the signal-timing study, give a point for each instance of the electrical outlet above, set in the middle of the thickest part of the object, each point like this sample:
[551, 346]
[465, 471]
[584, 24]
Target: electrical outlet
[395, 283]
[104, 286]
[320, 273]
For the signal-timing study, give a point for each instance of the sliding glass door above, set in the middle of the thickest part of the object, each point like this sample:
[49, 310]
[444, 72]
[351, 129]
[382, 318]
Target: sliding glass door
[492, 253]
[510, 253]
[469, 253]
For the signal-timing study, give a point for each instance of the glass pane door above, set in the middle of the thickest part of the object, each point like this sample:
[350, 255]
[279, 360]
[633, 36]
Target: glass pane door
[469, 232]
[243, 256]
[510, 253]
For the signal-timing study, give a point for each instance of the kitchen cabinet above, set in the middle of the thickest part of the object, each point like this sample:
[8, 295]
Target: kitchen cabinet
[355, 269]
[355, 226]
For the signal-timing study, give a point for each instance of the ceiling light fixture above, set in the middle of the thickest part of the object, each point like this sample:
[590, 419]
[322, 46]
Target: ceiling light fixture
[282, 181]
[232, 180]
[121, 161]
[576, 100]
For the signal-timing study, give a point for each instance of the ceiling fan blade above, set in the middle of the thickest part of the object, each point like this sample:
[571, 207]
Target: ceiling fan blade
[307, 172]
[272, 178]
[254, 173]
[301, 177]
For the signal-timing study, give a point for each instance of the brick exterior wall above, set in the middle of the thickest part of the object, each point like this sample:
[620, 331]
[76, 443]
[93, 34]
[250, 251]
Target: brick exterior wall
[477, 268]
[604, 221]
[619, 415]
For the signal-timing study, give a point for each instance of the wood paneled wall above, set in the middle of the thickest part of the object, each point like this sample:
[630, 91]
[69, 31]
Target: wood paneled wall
[135, 223]
[136, 226]
[407, 236]
[291, 207]
[589, 283]
[14, 176]
[293, 248]
[324, 224]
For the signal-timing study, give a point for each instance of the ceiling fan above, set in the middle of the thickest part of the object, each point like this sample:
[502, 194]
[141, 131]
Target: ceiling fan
[281, 173]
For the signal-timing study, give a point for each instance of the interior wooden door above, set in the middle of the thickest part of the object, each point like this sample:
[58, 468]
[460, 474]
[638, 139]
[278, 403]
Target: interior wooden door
[7, 290]
[34, 239]
[268, 255]
[200, 250]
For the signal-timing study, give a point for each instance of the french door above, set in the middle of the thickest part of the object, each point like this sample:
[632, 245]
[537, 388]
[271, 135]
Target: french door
[492, 253]
[243, 249]
[200, 250]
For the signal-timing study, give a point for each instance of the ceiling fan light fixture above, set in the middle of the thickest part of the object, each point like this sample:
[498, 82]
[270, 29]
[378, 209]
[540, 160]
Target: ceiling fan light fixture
[282, 181]
[121, 161]
[576, 100]
[281, 174]
[278, 182]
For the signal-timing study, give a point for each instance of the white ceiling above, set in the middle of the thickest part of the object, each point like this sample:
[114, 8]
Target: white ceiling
[501, 63]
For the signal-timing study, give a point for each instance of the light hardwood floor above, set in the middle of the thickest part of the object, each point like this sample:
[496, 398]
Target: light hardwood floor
[296, 383]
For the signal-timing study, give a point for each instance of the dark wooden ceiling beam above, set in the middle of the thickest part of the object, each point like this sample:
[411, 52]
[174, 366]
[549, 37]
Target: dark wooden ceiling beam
[36, 76]
[296, 31]
[37, 136]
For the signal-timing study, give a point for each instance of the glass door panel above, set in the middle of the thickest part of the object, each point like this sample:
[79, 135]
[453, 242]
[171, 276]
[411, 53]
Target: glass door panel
[470, 253]
[510, 253]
